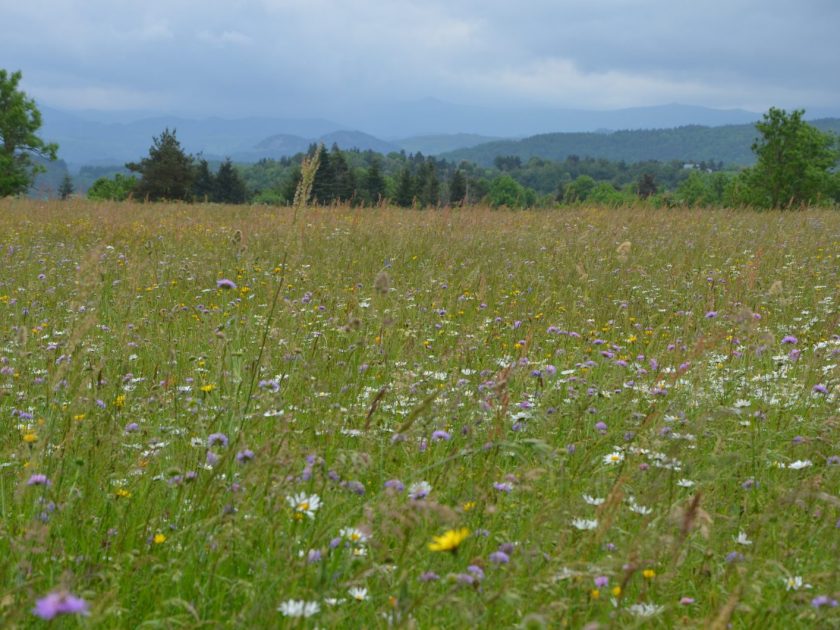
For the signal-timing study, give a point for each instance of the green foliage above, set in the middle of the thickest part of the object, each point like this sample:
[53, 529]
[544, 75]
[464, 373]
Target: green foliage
[794, 162]
[118, 188]
[404, 195]
[457, 188]
[374, 182]
[19, 122]
[66, 189]
[579, 190]
[167, 174]
[506, 191]
[204, 184]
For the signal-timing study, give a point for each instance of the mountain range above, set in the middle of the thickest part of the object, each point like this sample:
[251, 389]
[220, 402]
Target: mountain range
[429, 126]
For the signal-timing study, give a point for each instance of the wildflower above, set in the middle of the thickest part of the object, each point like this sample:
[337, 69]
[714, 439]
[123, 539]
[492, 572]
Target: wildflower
[790, 339]
[359, 593]
[593, 500]
[304, 505]
[449, 541]
[616, 457]
[131, 427]
[441, 435]
[820, 389]
[601, 581]
[30, 437]
[734, 556]
[711, 314]
[499, 557]
[503, 486]
[742, 539]
[800, 464]
[686, 601]
[299, 608]
[648, 574]
[245, 455]
[159, 539]
[429, 576]
[645, 610]
[823, 600]
[224, 283]
[209, 387]
[419, 490]
[584, 524]
[685, 483]
[122, 493]
[794, 583]
[38, 480]
[60, 603]
[395, 484]
[216, 438]
[313, 556]
[616, 591]
[119, 401]
[353, 535]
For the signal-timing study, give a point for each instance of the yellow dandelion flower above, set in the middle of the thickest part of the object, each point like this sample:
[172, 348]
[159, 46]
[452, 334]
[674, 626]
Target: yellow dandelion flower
[159, 539]
[208, 388]
[122, 493]
[616, 591]
[469, 505]
[648, 574]
[30, 436]
[450, 541]
[595, 593]
[119, 401]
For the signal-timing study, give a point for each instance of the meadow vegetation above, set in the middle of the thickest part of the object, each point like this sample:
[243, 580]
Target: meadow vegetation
[230, 416]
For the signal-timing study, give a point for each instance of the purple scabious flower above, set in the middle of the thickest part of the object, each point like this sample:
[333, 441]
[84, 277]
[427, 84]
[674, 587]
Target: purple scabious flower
[734, 556]
[503, 486]
[711, 314]
[395, 484]
[823, 600]
[131, 427]
[38, 480]
[499, 557]
[439, 435]
[601, 426]
[217, 438]
[601, 581]
[224, 283]
[244, 456]
[56, 604]
[819, 388]
[313, 556]
[212, 459]
[790, 339]
[429, 576]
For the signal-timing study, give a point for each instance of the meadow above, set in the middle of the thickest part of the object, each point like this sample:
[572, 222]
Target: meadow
[358, 418]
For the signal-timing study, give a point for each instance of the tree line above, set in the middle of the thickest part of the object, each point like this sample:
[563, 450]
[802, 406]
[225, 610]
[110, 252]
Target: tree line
[796, 165]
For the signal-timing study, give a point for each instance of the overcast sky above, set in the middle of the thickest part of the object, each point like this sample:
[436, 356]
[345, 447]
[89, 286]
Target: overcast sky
[236, 58]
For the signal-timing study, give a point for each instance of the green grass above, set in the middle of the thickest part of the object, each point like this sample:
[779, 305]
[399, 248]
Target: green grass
[514, 333]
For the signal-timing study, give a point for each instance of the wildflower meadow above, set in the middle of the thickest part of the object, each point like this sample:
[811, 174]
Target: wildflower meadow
[223, 416]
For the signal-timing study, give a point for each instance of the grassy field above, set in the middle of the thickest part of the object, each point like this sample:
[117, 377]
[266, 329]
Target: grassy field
[251, 417]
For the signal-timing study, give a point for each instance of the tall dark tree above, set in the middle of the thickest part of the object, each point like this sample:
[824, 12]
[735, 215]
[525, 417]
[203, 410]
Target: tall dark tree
[344, 181]
[647, 185]
[229, 185]
[168, 172]
[204, 185]
[404, 195]
[323, 187]
[428, 186]
[19, 121]
[374, 181]
[457, 188]
[66, 189]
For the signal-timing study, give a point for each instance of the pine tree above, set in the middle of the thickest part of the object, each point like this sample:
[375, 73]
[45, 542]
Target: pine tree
[404, 195]
[229, 185]
[344, 181]
[66, 189]
[457, 188]
[204, 185]
[374, 182]
[323, 188]
[167, 173]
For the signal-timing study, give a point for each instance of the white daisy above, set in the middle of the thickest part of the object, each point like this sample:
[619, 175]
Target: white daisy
[299, 608]
[800, 464]
[685, 483]
[304, 504]
[794, 583]
[359, 593]
[355, 536]
[584, 524]
[616, 457]
[592, 500]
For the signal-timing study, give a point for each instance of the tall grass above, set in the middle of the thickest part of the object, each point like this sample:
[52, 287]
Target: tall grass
[634, 413]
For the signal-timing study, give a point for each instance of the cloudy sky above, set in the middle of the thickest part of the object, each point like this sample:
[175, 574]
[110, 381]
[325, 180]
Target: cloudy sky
[237, 58]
